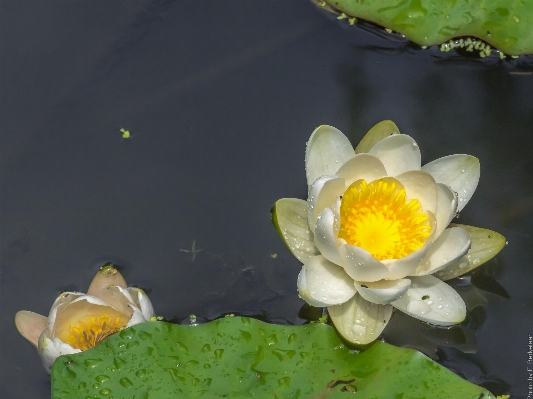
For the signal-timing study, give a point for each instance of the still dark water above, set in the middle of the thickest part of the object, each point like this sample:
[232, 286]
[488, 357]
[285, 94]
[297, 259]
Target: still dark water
[220, 98]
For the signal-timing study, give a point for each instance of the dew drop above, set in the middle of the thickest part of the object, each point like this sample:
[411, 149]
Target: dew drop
[418, 307]
[359, 330]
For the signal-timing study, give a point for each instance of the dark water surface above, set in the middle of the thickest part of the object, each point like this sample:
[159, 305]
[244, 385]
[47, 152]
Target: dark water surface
[220, 98]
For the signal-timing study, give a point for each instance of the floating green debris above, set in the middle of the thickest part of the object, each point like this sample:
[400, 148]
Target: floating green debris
[505, 25]
[239, 357]
[125, 133]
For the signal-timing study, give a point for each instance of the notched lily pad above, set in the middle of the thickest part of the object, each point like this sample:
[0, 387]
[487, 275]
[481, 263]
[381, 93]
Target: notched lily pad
[504, 24]
[239, 357]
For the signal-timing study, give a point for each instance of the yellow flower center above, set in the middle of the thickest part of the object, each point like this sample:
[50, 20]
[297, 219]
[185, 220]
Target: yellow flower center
[378, 218]
[91, 330]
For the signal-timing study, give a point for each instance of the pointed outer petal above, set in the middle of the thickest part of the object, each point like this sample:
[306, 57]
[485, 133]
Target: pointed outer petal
[325, 283]
[117, 297]
[451, 246]
[136, 317]
[105, 277]
[399, 153]
[407, 266]
[459, 171]
[421, 186]
[327, 149]
[442, 305]
[49, 350]
[486, 244]
[360, 321]
[377, 133]
[383, 291]
[360, 265]
[30, 325]
[144, 303]
[362, 166]
[326, 232]
[446, 207]
[322, 193]
[289, 216]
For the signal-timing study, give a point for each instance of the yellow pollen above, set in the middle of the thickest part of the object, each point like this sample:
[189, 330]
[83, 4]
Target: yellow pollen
[91, 330]
[378, 218]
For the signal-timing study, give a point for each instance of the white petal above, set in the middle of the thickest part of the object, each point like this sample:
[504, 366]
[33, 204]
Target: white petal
[324, 283]
[303, 289]
[322, 193]
[289, 216]
[50, 350]
[486, 244]
[146, 305]
[362, 166]
[399, 153]
[360, 264]
[383, 291]
[327, 149]
[326, 232]
[137, 317]
[406, 266]
[446, 207]
[432, 301]
[377, 133]
[360, 321]
[452, 245]
[421, 186]
[459, 171]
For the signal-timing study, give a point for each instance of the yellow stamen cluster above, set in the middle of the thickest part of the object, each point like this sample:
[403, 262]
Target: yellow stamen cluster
[377, 217]
[91, 330]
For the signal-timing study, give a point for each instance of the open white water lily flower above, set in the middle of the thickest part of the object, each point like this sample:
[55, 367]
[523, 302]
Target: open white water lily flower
[375, 230]
[80, 321]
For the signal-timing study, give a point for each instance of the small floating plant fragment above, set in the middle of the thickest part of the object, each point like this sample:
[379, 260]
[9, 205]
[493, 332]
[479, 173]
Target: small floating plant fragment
[375, 231]
[239, 357]
[505, 25]
[79, 321]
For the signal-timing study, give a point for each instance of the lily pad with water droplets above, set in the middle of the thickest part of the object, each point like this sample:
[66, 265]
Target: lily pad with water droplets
[239, 357]
[504, 24]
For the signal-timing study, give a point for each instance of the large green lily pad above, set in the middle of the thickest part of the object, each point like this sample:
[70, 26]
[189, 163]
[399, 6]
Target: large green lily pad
[505, 24]
[239, 357]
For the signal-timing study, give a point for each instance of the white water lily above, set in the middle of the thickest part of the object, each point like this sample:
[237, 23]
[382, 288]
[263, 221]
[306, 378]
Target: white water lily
[376, 228]
[79, 321]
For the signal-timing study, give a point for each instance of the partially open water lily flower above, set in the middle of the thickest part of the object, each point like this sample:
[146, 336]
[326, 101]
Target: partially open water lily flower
[375, 230]
[79, 321]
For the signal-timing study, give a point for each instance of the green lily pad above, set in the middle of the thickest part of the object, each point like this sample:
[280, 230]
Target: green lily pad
[239, 357]
[505, 24]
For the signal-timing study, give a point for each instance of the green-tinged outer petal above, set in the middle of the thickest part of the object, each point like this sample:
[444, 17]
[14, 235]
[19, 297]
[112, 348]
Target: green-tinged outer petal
[460, 172]
[238, 357]
[504, 24]
[433, 301]
[327, 150]
[359, 321]
[377, 133]
[289, 216]
[486, 244]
